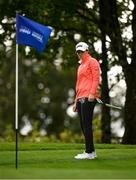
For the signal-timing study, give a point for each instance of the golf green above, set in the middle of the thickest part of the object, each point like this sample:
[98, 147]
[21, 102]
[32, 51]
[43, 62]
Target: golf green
[56, 161]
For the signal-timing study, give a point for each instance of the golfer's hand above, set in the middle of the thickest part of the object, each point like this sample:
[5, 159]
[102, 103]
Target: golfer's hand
[91, 97]
[75, 107]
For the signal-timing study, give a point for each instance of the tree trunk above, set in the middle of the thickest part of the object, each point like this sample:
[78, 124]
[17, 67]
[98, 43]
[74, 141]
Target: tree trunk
[129, 70]
[130, 105]
[106, 117]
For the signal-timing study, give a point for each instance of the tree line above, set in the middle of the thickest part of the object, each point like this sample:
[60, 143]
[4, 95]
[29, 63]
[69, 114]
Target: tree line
[46, 79]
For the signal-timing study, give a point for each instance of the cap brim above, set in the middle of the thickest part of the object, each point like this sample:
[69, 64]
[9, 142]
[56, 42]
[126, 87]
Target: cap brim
[80, 49]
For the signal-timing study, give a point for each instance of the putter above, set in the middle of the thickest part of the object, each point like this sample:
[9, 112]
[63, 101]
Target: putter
[108, 105]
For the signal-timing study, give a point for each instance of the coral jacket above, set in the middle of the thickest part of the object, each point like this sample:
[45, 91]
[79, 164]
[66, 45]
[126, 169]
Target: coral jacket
[88, 77]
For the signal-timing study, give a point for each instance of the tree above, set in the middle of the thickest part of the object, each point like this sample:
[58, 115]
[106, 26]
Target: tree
[64, 19]
[106, 117]
[72, 21]
[130, 75]
[119, 47]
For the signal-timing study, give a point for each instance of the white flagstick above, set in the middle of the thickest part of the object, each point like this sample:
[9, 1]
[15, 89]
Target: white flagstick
[16, 106]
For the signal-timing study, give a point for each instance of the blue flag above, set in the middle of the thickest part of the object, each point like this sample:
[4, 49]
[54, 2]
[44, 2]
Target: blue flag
[31, 33]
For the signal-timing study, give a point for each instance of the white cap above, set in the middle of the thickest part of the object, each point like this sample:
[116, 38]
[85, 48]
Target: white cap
[82, 46]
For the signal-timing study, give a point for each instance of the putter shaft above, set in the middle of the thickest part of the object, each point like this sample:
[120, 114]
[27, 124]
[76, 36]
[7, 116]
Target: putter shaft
[108, 105]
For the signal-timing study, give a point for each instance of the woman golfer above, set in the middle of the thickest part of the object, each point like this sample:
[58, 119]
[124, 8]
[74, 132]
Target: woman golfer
[88, 77]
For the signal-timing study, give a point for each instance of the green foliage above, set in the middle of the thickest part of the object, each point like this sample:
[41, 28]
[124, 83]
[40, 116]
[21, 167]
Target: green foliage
[97, 130]
[65, 136]
[45, 79]
[8, 135]
[69, 136]
[40, 79]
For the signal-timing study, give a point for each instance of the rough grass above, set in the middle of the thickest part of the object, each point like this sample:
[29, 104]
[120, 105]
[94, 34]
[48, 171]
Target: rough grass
[55, 161]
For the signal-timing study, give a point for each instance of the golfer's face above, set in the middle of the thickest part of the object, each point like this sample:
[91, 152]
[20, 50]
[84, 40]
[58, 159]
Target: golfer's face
[80, 54]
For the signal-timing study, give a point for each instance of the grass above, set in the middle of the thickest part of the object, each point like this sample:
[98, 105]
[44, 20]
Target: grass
[55, 161]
